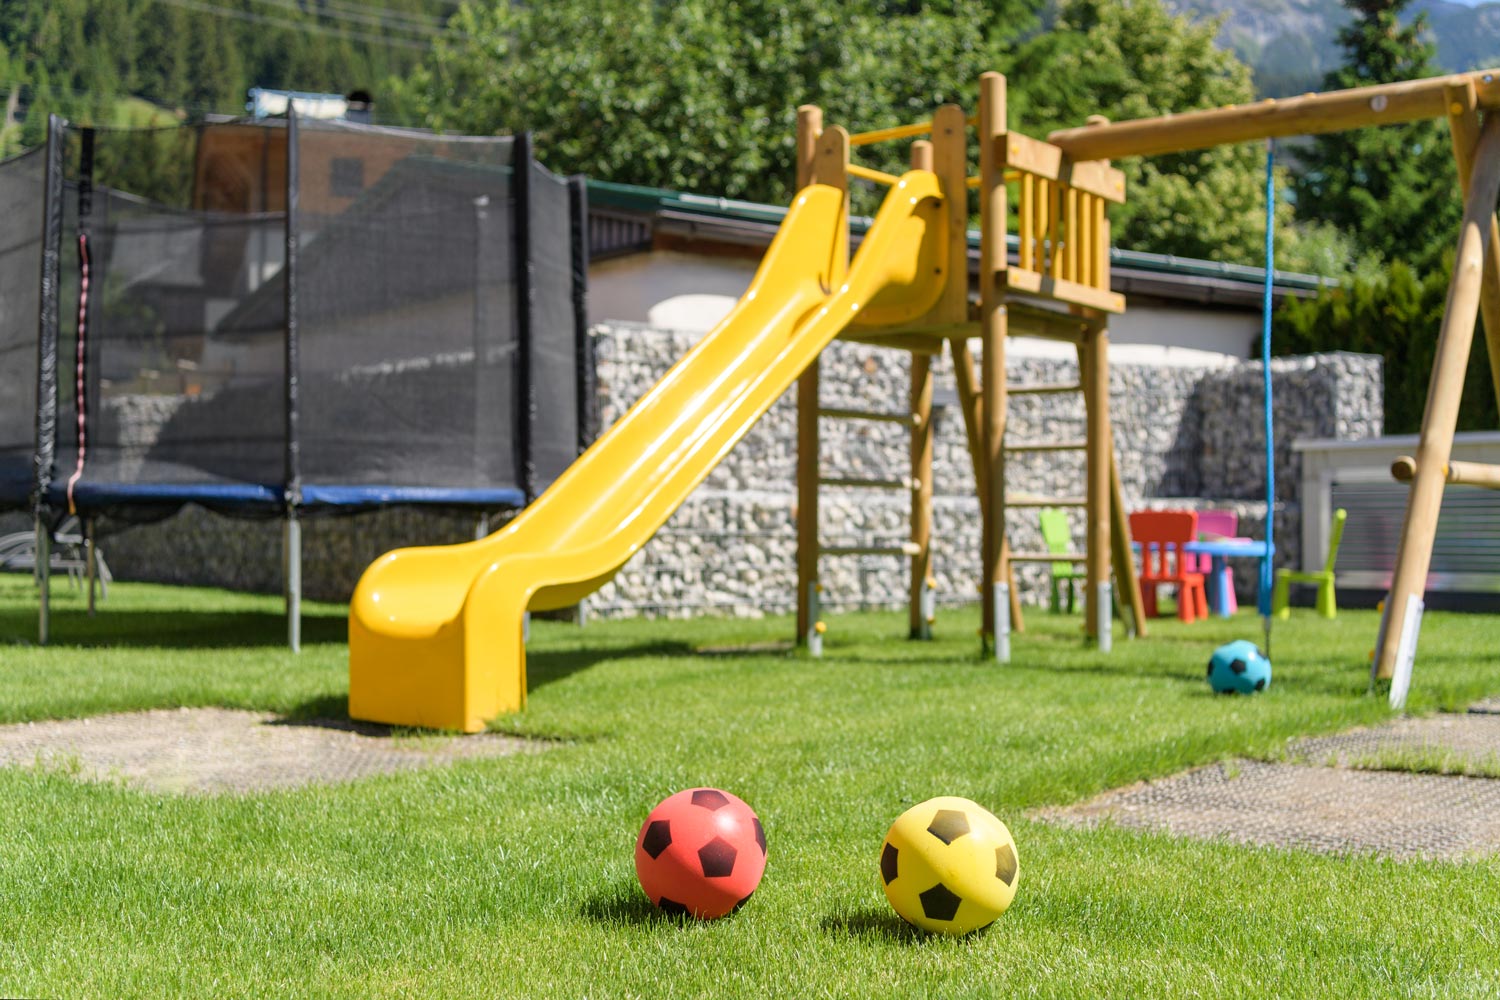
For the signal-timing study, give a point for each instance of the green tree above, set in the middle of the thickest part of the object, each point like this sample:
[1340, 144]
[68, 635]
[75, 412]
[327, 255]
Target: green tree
[700, 95]
[1394, 313]
[1134, 60]
[1392, 189]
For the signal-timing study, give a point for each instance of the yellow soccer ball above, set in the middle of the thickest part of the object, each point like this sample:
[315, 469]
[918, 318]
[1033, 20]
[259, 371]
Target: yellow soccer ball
[949, 866]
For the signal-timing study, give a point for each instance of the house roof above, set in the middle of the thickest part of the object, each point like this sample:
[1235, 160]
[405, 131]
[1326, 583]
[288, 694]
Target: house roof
[628, 218]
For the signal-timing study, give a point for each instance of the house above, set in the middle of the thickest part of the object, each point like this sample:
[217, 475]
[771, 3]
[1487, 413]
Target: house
[679, 261]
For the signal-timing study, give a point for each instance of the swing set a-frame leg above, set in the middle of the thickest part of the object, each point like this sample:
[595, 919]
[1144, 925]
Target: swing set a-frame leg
[1472, 269]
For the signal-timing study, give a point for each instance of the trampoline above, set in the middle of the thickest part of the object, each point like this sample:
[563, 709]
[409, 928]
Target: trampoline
[285, 319]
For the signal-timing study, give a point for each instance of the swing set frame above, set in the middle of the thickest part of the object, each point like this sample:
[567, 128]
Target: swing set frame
[1471, 104]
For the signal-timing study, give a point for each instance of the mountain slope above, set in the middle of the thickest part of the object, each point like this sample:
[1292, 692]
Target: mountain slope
[1291, 43]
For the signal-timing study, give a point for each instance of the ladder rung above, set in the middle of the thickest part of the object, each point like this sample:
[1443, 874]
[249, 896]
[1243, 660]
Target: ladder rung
[899, 483]
[1041, 388]
[839, 413]
[1048, 557]
[1048, 446]
[904, 549]
[1030, 501]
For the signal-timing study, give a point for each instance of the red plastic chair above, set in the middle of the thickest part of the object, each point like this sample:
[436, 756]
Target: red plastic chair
[1161, 535]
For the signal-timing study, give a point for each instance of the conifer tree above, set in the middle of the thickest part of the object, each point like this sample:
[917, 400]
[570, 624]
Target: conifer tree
[1392, 189]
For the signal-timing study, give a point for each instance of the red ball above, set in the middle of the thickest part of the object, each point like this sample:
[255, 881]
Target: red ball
[700, 852]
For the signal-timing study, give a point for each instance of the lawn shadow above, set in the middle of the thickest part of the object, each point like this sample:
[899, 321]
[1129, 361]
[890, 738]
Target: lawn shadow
[545, 667]
[625, 903]
[187, 629]
[874, 924]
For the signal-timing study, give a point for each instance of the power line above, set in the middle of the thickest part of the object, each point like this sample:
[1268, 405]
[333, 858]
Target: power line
[347, 34]
[431, 21]
[373, 20]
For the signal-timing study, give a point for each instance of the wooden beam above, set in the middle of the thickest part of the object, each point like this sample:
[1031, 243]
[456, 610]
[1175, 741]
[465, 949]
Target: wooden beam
[1063, 290]
[809, 134]
[1042, 159]
[1127, 581]
[921, 497]
[1463, 122]
[920, 408]
[971, 404]
[1036, 321]
[1094, 374]
[992, 272]
[1455, 338]
[1310, 114]
[900, 340]
[950, 161]
[1404, 470]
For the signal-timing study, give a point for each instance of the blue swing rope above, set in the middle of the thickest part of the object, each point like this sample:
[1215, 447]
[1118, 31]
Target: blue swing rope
[1264, 595]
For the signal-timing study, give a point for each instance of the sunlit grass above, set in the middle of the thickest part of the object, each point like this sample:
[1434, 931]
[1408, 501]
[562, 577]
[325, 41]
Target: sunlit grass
[514, 877]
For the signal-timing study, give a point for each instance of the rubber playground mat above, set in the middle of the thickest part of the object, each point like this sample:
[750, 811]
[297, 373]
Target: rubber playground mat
[1353, 793]
[208, 750]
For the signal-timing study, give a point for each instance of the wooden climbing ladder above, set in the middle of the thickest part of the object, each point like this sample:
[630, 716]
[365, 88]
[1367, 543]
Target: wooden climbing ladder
[1057, 288]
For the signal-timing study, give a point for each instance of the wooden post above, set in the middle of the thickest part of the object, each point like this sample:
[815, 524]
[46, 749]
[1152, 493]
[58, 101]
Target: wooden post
[992, 318]
[1398, 634]
[921, 496]
[1463, 122]
[1122, 559]
[950, 155]
[809, 128]
[1095, 376]
[921, 457]
[971, 401]
[1126, 577]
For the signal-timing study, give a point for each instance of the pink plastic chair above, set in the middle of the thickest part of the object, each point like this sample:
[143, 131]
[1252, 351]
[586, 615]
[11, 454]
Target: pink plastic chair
[1212, 526]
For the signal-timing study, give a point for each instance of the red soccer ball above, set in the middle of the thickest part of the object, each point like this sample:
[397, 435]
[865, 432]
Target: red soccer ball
[701, 852]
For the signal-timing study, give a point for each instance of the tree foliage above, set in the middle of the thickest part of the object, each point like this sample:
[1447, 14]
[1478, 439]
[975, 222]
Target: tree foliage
[79, 58]
[701, 95]
[1134, 60]
[1391, 189]
[1396, 314]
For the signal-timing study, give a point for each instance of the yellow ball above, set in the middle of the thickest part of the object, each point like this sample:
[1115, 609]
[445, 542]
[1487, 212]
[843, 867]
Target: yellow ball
[949, 866]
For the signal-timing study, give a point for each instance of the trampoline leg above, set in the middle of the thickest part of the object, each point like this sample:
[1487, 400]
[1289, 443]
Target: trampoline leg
[292, 563]
[89, 555]
[43, 580]
[481, 526]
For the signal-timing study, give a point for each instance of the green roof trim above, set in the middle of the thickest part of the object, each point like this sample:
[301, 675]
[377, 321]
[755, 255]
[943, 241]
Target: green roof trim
[637, 198]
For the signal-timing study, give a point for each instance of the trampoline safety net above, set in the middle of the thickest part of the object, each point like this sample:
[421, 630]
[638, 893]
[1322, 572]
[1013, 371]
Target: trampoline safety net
[256, 315]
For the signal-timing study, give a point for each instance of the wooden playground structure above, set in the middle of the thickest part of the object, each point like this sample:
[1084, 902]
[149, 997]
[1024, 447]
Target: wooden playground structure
[1058, 286]
[1058, 289]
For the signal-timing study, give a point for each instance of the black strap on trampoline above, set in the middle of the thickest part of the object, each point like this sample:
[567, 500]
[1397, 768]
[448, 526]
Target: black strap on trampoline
[80, 361]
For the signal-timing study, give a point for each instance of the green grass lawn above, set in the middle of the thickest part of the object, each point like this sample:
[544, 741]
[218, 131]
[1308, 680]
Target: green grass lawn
[514, 876]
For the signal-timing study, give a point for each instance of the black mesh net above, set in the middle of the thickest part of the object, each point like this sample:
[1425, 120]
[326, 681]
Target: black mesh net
[553, 354]
[169, 250]
[405, 310]
[176, 321]
[22, 198]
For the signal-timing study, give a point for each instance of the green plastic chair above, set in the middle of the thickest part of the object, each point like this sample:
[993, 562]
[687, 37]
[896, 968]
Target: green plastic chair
[1327, 605]
[1059, 539]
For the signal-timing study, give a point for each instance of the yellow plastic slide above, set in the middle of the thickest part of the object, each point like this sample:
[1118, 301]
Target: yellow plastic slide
[435, 633]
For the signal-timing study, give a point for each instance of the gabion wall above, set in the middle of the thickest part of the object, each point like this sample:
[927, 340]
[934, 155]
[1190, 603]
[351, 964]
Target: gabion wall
[1185, 436]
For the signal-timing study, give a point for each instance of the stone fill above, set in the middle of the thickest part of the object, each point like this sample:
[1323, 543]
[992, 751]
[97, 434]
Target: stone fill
[1329, 796]
[1324, 809]
[208, 750]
